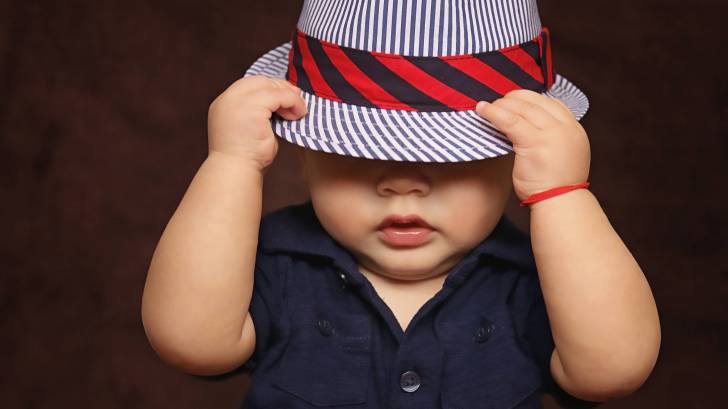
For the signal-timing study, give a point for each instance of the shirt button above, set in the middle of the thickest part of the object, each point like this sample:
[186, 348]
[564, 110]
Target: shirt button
[483, 333]
[343, 279]
[325, 327]
[409, 381]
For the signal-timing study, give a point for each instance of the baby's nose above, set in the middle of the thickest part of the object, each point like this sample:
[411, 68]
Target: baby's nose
[403, 182]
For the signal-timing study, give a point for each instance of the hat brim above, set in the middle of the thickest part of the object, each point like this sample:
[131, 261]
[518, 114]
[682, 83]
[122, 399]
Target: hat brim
[386, 134]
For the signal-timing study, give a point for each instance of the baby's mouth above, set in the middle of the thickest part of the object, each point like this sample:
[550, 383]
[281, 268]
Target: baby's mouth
[409, 231]
[407, 221]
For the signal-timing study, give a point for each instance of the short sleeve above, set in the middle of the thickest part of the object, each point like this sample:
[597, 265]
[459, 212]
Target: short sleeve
[538, 336]
[265, 304]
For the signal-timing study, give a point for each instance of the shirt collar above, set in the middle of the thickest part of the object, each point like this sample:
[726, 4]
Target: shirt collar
[296, 229]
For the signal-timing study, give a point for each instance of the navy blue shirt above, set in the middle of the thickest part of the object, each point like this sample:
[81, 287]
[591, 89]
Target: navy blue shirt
[324, 338]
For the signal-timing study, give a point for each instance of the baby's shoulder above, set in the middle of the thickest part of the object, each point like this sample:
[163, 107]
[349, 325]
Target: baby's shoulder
[512, 245]
[280, 227]
[291, 234]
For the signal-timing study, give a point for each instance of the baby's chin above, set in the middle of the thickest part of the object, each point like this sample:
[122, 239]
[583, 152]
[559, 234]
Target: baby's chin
[409, 267]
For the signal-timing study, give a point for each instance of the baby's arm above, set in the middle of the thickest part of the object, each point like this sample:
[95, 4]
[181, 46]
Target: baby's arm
[602, 313]
[603, 316]
[199, 285]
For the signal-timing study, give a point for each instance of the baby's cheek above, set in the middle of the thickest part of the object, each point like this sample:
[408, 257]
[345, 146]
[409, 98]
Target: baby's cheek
[474, 212]
[340, 214]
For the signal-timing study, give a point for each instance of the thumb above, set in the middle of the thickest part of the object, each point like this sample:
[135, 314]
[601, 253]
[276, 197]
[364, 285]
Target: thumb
[514, 126]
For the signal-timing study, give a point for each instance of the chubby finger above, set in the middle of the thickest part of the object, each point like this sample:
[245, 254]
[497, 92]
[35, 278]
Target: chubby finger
[516, 128]
[292, 107]
[284, 101]
[533, 113]
[255, 83]
[286, 83]
[552, 105]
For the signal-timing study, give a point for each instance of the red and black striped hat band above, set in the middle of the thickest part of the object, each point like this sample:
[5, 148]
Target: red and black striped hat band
[415, 83]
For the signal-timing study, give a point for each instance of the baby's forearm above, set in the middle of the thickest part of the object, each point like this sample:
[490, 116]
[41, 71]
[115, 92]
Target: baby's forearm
[199, 283]
[602, 312]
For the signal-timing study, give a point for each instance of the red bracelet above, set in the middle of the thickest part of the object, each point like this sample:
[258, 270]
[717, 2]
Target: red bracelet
[552, 192]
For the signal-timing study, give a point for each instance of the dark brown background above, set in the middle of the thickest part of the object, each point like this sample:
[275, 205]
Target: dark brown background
[103, 124]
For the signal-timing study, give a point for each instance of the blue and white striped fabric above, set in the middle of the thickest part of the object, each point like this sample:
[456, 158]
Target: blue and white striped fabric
[414, 28]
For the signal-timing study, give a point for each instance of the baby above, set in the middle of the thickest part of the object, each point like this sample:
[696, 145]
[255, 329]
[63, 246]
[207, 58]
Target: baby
[401, 283]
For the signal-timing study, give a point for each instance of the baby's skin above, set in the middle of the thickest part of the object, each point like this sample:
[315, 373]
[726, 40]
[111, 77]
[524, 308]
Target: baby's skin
[602, 312]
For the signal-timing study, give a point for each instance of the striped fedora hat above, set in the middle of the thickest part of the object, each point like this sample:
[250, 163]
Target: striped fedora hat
[399, 79]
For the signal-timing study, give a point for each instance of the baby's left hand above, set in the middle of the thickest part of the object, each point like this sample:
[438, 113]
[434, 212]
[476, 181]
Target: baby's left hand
[551, 147]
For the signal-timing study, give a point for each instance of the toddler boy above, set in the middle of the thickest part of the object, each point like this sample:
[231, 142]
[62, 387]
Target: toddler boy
[401, 283]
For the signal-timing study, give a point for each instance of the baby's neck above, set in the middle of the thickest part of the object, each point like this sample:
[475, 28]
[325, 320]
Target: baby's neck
[432, 282]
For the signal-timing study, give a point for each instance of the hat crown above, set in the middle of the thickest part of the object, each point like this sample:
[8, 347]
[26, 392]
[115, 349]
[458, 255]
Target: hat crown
[426, 28]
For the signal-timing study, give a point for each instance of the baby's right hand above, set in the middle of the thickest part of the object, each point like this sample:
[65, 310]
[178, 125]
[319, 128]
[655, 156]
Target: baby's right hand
[238, 121]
